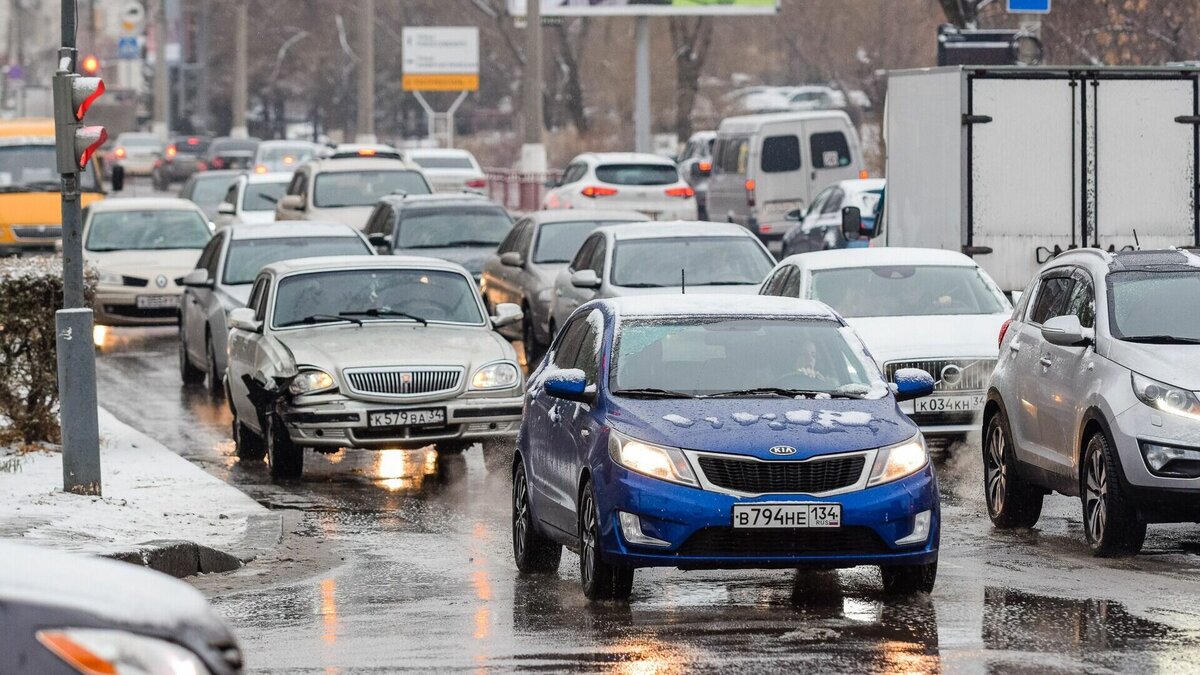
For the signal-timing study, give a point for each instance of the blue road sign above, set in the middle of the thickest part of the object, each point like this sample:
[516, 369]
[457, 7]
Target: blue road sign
[128, 48]
[1029, 6]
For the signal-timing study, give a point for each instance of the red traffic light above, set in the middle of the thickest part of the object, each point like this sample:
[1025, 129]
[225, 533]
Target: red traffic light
[90, 65]
[84, 92]
[87, 141]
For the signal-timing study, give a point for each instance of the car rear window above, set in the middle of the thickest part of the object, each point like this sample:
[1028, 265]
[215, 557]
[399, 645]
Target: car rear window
[364, 188]
[780, 154]
[829, 150]
[637, 174]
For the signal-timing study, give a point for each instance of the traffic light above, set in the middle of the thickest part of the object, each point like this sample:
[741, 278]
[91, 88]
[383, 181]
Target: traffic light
[76, 143]
[90, 64]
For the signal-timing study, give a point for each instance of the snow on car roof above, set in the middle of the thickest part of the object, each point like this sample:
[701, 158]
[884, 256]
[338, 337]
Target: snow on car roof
[576, 215]
[438, 152]
[886, 255]
[144, 204]
[626, 158]
[681, 229]
[290, 229]
[716, 305]
[354, 262]
[272, 177]
[752, 122]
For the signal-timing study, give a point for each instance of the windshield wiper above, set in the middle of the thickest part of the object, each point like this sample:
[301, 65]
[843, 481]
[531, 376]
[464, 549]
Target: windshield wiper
[452, 244]
[654, 392]
[323, 318]
[782, 392]
[1161, 339]
[378, 312]
[726, 283]
[643, 285]
[268, 198]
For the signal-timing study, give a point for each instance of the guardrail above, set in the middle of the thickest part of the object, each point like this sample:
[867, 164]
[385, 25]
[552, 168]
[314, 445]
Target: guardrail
[516, 190]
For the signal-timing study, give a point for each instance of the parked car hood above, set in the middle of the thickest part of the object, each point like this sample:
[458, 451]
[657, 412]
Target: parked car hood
[384, 344]
[171, 263]
[470, 257]
[1170, 364]
[751, 426]
[897, 338]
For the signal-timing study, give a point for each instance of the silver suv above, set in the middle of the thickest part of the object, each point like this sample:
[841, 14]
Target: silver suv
[1094, 395]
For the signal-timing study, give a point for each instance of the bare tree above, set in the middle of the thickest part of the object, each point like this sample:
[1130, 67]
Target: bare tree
[691, 40]
[572, 39]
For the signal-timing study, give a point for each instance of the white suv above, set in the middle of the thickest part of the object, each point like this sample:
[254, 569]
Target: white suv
[343, 188]
[624, 181]
[1094, 395]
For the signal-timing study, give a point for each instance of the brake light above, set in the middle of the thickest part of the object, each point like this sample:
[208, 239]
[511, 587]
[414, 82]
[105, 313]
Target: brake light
[1003, 331]
[172, 150]
[684, 192]
[750, 185]
[217, 163]
[705, 167]
[119, 153]
[479, 183]
[201, 166]
[864, 174]
[260, 169]
[593, 191]
[192, 140]
[367, 152]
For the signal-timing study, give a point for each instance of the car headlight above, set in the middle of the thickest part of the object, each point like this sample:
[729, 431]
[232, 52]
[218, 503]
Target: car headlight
[90, 650]
[310, 381]
[501, 375]
[897, 461]
[111, 279]
[1166, 398]
[655, 461]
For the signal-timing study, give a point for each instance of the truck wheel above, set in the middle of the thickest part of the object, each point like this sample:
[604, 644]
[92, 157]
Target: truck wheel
[601, 580]
[1011, 501]
[1110, 521]
[284, 458]
[533, 553]
[908, 579]
[189, 373]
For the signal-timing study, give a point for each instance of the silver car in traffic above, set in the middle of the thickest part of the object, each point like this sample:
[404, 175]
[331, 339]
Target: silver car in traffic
[369, 352]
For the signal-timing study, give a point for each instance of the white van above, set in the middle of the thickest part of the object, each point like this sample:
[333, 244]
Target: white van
[765, 166]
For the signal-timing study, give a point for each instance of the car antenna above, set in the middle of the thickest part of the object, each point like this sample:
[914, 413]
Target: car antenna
[1137, 245]
[683, 281]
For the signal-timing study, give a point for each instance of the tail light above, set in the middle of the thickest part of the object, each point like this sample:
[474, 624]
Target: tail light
[367, 152]
[218, 163]
[683, 192]
[192, 140]
[158, 163]
[706, 167]
[172, 151]
[119, 153]
[478, 183]
[594, 191]
[750, 185]
[1003, 332]
[201, 166]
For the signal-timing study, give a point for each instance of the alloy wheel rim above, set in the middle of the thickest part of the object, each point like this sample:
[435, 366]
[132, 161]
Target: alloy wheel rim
[1096, 504]
[520, 512]
[996, 471]
[589, 541]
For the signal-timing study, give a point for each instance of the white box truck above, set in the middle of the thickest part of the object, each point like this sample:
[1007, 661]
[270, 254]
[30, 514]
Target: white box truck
[1012, 165]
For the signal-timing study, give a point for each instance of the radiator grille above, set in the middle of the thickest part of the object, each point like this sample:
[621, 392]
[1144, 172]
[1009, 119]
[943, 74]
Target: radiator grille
[754, 477]
[403, 381]
[949, 375]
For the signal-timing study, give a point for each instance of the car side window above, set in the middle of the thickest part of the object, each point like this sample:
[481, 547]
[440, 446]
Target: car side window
[231, 195]
[299, 184]
[584, 255]
[829, 150]
[588, 357]
[1082, 302]
[818, 204]
[264, 298]
[525, 240]
[791, 284]
[209, 254]
[213, 262]
[1052, 295]
[568, 346]
[780, 154]
[596, 264]
[774, 282]
[834, 203]
[573, 173]
[510, 240]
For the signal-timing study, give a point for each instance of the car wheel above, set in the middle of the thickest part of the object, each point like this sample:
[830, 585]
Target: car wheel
[601, 580]
[908, 579]
[285, 459]
[1109, 520]
[1011, 501]
[498, 455]
[533, 553]
[533, 350]
[213, 379]
[246, 444]
[190, 374]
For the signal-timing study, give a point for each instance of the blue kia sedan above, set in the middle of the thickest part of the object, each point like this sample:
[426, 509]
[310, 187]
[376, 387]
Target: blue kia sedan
[706, 431]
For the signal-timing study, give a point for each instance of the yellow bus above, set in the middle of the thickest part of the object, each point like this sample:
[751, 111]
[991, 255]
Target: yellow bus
[30, 206]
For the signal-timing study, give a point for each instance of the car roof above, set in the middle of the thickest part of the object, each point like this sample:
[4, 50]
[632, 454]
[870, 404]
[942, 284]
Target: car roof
[678, 229]
[439, 152]
[1126, 261]
[624, 157]
[716, 305]
[862, 184]
[751, 122]
[357, 262]
[144, 204]
[576, 215]
[438, 199]
[290, 229]
[886, 255]
[333, 164]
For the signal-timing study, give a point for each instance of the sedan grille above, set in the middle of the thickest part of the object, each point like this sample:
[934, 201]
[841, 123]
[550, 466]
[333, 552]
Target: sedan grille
[404, 381]
[37, 231]
[811, 477]
[949, 375]
[727, 541]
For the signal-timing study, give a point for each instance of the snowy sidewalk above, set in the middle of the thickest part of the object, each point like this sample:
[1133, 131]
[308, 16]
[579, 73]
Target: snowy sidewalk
[158, 509]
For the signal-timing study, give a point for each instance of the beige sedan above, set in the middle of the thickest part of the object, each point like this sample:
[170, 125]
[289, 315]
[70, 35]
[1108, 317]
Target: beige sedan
[370, 352]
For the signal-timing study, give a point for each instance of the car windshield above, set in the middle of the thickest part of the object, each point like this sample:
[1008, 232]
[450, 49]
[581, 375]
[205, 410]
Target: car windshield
[769, 356]
[210, 190]
[437, 228]
[31, 168]
[364, 188]
[700, 261]
[559, 242]
[637, 174]
[1157, 305]
[376, 295]
[443, 162]
[247, 256]
[262, 196]
[907, 290]
[147, 230]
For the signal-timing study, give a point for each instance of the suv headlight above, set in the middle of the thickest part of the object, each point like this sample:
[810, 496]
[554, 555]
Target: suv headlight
[655, 461]
[1166, 398]
[90, 650]
[310, 382]
[503, 375]
[898, 461]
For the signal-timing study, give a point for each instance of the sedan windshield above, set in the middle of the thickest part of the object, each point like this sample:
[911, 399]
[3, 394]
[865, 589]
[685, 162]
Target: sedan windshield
[1160, 307]
[364, 188]
[746, 356]
[408, 295]
[247, 256]
[704, 261]
[437, 228]
[262, 196]
[147, 231]
[637, 174]
[907, 290]
[559, 242]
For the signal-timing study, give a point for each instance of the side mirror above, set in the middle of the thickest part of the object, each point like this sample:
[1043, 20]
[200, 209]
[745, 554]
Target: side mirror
[569, 384]
[242, 318]
[512, 259]
[197, 278]
[912, 383]
[227, 209]
[795, 215]
[118, 178]
[1066, 331]
[381, 242]
[852, 227]
[507, 314]
[585, 279]
[293, 202]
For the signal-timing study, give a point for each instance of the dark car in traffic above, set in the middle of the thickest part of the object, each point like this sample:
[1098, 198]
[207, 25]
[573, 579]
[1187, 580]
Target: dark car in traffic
[208, 189]
[178, 160]
[227, 152]
[464, 228]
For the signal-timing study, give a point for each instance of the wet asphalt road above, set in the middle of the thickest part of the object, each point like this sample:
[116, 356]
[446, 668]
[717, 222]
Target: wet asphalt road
[394, 562]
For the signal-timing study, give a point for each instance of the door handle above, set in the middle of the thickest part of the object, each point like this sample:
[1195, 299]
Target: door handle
[1045, 361]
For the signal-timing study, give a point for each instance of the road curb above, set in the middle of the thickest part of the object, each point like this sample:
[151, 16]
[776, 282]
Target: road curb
[179, 558]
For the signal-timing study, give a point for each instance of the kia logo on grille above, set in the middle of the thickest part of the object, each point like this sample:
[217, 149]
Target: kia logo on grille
[783, 450]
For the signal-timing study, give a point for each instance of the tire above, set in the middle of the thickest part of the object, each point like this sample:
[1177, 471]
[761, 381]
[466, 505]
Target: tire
[1011, 501]
[909, 579]
[284, 458]
[498, 456]
[214, 381]
[533, 348]
[601, 580]
[246, 444]
[189, 373]
[533, 553]
[1110, 521]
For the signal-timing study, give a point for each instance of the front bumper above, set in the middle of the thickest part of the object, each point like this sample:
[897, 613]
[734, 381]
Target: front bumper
[697, 525]
[120, 308]
[1158, 499]
[339, 421]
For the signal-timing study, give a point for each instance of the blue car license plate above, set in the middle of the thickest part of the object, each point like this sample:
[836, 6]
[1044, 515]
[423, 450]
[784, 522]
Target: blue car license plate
[787, 515]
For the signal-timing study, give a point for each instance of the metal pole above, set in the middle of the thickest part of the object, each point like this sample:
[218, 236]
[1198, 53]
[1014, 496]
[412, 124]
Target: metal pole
[641, 87]
[533, 152]
[366, 73]
[73, 324]
[162, 90]
[202, 37]
[241, 46]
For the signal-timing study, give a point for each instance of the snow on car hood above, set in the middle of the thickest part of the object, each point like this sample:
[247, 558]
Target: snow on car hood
[751, 426]
[385, 344]
[895, 338]
[1170, 364]
[171, 263]
[470, 257]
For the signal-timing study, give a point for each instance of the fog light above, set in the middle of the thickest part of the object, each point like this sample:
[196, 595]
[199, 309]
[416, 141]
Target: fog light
[920, 531]
[631, 528]
[1165, 460]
